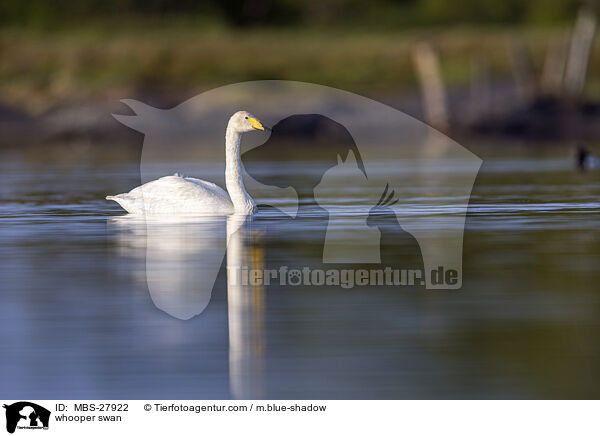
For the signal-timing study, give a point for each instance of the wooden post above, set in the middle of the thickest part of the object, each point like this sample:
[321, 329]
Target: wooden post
[480, 103]
[435, 106]
[579, 52]
[553, 71]
[523, 72]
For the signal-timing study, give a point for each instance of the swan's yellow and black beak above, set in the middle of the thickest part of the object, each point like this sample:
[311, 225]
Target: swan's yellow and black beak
[256, 124]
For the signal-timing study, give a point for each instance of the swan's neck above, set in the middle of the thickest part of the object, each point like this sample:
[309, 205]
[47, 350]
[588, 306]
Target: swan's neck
[242, 202]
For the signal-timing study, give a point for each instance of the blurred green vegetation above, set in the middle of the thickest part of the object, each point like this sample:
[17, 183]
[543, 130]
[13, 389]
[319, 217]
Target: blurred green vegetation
[41, 69]
[67, 49]
[38, 14]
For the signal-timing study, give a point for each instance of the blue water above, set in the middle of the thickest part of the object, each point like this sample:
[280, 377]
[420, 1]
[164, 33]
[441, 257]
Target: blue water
[77, 319]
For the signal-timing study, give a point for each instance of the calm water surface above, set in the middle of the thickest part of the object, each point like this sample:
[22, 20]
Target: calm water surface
[77, 319]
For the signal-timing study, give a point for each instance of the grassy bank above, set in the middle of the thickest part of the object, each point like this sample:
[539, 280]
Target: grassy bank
[40, 69]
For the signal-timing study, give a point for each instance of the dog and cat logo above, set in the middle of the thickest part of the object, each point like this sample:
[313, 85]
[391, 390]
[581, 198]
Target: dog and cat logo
[26, 415]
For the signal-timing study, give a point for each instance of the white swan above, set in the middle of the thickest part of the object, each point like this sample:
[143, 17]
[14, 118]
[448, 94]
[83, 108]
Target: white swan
[185, 195]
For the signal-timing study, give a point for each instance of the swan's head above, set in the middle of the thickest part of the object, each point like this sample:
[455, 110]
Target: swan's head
[243, 121]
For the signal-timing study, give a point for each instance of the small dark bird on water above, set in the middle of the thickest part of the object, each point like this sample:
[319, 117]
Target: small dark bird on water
[586, 160]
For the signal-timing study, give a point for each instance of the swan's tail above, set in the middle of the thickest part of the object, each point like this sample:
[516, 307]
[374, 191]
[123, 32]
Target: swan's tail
[116, 198]
[124, 201]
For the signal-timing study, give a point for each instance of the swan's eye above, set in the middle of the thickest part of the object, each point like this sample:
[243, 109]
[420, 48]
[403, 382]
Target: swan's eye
[246, 117]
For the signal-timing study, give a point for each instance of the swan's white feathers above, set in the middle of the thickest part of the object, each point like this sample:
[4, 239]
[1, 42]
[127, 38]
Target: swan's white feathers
[176, 194]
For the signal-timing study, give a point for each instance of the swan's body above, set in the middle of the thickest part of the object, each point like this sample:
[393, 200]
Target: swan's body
[186, 195]
[176, 194]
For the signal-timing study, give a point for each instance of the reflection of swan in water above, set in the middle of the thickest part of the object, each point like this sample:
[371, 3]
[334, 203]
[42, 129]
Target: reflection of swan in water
[183, 259]
[245, 306]
[186, 195]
